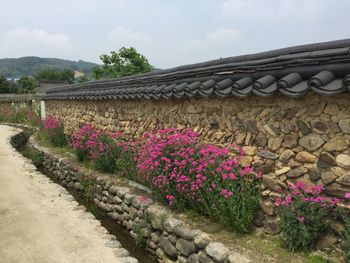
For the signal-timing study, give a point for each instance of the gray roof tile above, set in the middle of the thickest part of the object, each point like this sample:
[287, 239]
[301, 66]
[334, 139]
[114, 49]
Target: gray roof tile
[321, 67]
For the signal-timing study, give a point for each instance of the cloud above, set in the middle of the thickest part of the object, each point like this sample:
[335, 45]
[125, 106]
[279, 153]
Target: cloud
[276, 10]
[127, 37]
[24, 41]
[217, 43]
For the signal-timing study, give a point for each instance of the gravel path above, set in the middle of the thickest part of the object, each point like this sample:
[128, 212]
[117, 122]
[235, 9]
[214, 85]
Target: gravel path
[41, 222]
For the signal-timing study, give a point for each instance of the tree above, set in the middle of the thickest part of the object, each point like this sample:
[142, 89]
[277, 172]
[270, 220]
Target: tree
[6, 86]
[53, 74]
[82, 79]
[26, 84]
[68, 75]
[125, 62]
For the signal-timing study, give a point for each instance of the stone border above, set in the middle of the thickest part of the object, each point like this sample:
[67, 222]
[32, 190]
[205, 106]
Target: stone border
[165, 236]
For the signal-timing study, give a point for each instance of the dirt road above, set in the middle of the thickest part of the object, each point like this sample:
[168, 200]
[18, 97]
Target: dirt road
[41, 222]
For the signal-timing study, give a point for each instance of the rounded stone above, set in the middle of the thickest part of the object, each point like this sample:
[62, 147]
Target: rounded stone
[267, 207]
[344, 125]
[297, 172]
[203, 257]
[319, 127]
[326, 160]
[168, 248]
[283, 170]
[185, 247]
[193, 259]
[290, 141]
[249, 150]
[343, 160]
[267, 155]
[344, 180]
[272, 225]
[217, 251]
[157, 215]
[120, 252]
[305, 157]
[270, 183]
[184, 232]
[286, 155]
[311, 142]
[328, 177]
[201, 240]
[274, 143]
[337, 143]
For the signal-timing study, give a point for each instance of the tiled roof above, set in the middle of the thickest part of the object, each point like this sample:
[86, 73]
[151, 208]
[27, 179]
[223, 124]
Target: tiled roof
[321, 67]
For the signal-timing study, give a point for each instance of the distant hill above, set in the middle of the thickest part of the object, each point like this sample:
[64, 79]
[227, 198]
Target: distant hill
[28, 66]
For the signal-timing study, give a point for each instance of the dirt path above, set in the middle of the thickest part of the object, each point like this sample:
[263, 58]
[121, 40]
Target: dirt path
[41, 222]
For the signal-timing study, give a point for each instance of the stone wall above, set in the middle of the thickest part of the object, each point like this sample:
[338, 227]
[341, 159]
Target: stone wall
[170, 239]
[287, 139]
[5, 108]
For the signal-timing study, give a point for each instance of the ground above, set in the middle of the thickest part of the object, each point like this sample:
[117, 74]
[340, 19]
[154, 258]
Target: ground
[39, 220]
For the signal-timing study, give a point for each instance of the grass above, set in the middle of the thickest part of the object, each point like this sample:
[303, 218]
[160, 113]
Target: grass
[33, 155]
[45, 141]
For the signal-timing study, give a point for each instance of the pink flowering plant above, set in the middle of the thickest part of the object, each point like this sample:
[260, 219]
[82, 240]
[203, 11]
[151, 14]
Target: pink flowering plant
[185, 173]
[79, 141]
[54, 129]
[99, 146]
[303, 215]
[346, 217]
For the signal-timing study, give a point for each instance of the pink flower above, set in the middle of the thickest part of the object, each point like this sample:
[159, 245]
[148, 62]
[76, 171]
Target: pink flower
[170, 199]
[347, 196]
[300, 219]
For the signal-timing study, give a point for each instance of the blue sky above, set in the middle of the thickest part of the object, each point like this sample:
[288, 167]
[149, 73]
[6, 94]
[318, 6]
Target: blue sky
[168, 32]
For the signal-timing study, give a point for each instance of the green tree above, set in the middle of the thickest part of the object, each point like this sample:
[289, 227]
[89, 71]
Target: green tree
[6, 86]
[53, 74]
[26, 84]
[68, 75]
[48, 74]
[125, 62]
[82, 79]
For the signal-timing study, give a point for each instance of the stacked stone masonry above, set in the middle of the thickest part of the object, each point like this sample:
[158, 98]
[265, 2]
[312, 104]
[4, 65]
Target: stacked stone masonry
[5, 108]
[168, 238]
[287, 139]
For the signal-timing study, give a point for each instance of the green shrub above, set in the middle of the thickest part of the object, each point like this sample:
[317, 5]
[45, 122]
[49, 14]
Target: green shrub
[303, 215]
[33, 155]
[54, 129]
[347, 240]
[106, 153]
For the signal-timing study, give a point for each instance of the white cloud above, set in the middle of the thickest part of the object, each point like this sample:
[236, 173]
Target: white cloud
[273, 10]
[24, 41]
[217, 43]
[127, 37]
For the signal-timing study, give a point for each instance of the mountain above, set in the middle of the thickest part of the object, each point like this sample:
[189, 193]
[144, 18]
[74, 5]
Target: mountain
[28, 66]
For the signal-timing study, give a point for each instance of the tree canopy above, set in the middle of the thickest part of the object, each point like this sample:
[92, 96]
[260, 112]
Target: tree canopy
[52, 74]
[5, 85]
[125, 62]
[26, 84]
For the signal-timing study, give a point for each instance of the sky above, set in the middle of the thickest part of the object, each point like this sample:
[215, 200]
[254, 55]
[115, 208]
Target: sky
[167, 32]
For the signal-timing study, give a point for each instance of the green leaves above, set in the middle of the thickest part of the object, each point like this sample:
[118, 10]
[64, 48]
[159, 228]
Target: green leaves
[125, 62]
[53, 74]
[302, 223]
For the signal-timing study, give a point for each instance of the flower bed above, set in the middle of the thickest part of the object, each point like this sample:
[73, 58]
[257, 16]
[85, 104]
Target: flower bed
[180, 170]
[185, 173]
